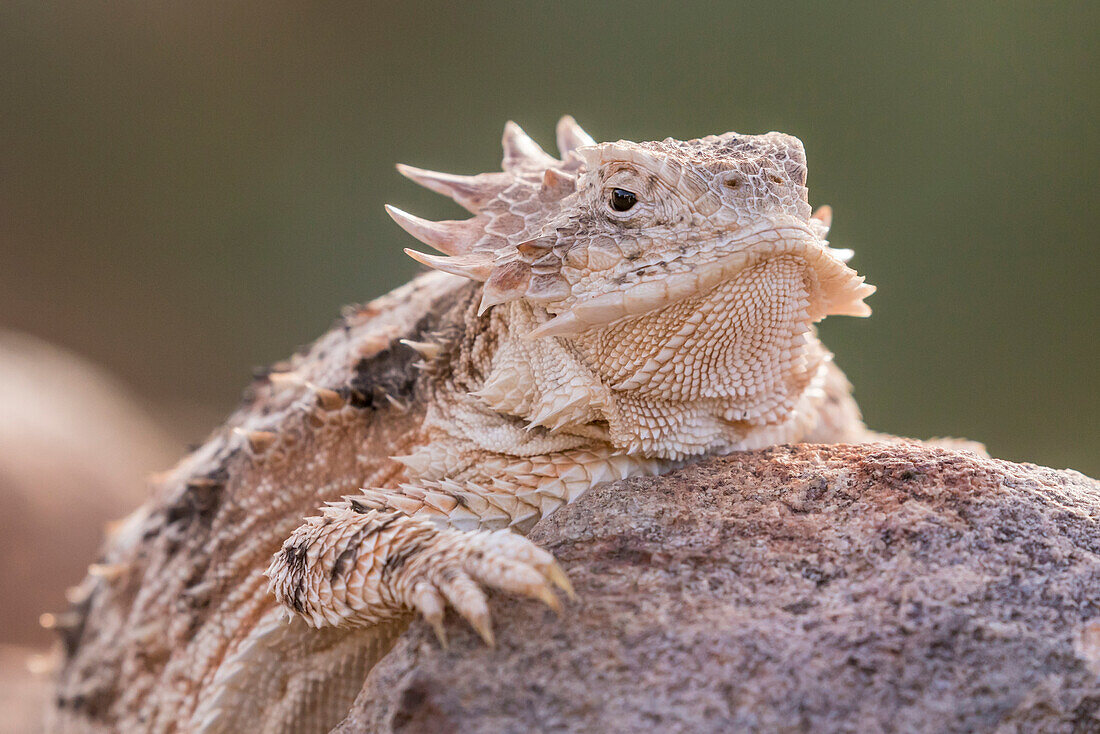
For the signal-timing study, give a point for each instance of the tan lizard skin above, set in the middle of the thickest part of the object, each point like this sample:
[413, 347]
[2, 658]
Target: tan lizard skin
[617, 311]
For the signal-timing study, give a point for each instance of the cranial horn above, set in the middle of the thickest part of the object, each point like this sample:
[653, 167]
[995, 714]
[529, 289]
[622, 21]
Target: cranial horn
[466, 267]
[471, 192]
[520, 151]
[450, 237]
[571, 136]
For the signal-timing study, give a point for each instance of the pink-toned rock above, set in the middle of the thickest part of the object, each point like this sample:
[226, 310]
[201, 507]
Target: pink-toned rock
[806, 588]
[75, 450]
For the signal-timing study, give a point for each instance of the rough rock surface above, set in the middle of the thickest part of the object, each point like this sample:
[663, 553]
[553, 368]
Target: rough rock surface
[805, 588]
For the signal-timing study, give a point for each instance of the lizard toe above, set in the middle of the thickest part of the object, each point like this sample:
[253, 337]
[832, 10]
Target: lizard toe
[469, 600]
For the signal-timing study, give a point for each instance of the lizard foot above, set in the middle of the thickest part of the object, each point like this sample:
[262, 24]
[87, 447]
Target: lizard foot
[460, 563]
[359, 568]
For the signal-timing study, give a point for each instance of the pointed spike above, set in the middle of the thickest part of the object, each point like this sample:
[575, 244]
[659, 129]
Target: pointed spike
[451, 237]
[442, 502]
[520, 150]
[558, 578]
[453, 265]
[849, 301]
[483, 626]
[440, 633]
[824, 214]
[427, 350]
[108, 571]
[258, 441]
[328, 399]
[471, 192]
[492, 296]
[571, 136]
[564, 324]
[507, 282]
[547, 596]
[821, 220]
[411, 490]
[407, 505]
[374, 501]
[286, 379]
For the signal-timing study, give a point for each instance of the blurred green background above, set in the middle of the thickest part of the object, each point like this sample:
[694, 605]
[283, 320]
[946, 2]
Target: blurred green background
[189, 189]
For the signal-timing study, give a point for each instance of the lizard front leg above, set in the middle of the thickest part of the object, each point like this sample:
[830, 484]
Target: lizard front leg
[355, 566]
[420, 546]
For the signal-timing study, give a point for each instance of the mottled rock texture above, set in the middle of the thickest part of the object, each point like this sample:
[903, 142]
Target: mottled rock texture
[804, 588]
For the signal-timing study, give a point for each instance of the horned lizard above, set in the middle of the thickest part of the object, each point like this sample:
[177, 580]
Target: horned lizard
[617, 311]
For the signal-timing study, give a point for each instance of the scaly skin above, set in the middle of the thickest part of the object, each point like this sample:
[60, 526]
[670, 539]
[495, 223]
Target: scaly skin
[617, 312]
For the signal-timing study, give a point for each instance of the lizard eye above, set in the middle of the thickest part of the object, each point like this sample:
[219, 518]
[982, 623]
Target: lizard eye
[621, 200]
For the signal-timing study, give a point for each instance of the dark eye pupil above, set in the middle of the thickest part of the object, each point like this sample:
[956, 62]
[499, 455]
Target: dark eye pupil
[621, 199]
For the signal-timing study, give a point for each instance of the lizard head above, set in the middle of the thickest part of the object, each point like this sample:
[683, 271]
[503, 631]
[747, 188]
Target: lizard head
[617, 230]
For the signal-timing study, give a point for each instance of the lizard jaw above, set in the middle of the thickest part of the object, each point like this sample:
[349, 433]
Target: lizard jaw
[841, 290]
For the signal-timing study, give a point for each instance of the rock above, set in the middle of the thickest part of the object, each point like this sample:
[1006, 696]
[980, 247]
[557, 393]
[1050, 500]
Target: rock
[75, 449]
[883, 587]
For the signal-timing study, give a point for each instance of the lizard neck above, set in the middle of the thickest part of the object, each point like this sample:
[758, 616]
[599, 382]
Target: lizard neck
[738, 367]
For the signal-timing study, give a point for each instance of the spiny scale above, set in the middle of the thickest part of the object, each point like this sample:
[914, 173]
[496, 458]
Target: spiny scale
[571, 136]
[473, 254]
[469, 192]
[451, 238]
[516, 246]
[500, 432]
[520, 491]
[466, 268]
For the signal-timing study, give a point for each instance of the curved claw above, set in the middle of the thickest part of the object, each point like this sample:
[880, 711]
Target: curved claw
[547, 596]
[558, 578]
[469, 600]
[484, 629]
[430, 605]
